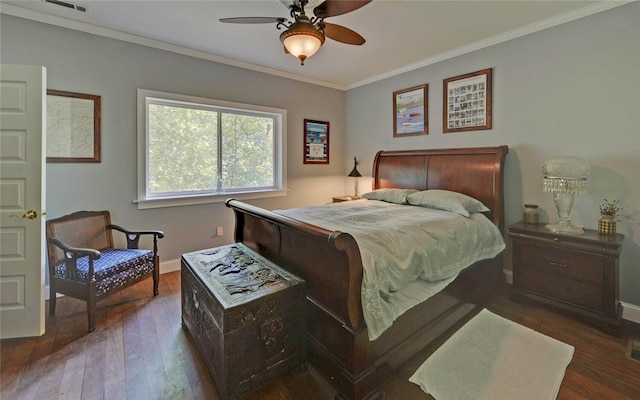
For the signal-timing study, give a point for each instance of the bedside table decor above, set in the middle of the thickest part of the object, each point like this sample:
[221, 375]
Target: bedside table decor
[530, 214]
[608, 216]
[355, 174]
[564, 177]
[607, 223]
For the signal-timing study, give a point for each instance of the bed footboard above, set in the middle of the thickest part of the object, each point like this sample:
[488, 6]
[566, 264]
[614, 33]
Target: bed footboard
[329, 260]
[330, 263]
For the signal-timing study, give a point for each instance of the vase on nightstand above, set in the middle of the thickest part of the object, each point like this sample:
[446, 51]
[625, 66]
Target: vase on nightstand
[607, 223]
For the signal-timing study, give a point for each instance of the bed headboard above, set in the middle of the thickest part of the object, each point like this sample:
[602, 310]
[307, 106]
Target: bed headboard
[477, 172]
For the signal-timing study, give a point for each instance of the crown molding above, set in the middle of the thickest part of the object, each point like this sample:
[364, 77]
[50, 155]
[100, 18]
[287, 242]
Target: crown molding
[583, 12]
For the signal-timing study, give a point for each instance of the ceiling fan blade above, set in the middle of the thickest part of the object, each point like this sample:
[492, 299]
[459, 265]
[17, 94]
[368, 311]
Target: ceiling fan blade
[331, 8]
[252, 20]
[341, 34]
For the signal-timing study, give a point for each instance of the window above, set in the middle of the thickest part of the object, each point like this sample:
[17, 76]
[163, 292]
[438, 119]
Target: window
[194, 150]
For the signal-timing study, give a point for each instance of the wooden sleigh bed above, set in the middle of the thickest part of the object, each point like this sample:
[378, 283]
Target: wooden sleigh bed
[330, 262]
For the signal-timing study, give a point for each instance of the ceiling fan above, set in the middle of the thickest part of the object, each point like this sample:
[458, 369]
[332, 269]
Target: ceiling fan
[304, 36]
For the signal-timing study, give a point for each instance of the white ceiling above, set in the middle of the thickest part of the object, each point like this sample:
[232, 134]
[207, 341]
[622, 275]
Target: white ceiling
[401, 35]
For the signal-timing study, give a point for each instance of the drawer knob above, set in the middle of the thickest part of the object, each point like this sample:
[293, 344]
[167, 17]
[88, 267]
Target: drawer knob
[555, 263]
[556, 239]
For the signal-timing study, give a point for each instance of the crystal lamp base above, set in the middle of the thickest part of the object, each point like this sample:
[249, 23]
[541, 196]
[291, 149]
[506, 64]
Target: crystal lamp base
[567, 228]
[564, 203]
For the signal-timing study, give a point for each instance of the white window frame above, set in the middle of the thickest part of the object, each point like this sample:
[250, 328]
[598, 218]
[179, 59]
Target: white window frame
[280, 163]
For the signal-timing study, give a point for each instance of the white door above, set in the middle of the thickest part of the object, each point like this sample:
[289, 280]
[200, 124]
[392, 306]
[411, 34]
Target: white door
[22, 198]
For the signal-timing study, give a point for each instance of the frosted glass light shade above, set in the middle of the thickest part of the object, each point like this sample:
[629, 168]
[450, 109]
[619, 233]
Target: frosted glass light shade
[302, 40]
[303, 44]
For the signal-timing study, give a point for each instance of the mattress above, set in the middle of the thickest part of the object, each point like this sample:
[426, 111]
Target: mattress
[408, 252]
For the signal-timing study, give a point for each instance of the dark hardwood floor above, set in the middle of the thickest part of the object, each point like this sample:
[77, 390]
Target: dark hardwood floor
[140, 351]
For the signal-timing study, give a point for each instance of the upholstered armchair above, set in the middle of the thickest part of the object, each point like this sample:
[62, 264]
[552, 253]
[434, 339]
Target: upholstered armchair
[84, 264]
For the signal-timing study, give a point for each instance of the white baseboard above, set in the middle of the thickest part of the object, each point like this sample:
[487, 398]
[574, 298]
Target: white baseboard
[508, 276]
[170, 266]
[630, 312]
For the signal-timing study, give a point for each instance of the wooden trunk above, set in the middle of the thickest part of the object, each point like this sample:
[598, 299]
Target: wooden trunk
[246, 316]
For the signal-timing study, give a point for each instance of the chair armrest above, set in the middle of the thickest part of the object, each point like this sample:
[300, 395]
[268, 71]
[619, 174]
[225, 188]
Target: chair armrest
[71, 255]
[133, 236]
[160, 234]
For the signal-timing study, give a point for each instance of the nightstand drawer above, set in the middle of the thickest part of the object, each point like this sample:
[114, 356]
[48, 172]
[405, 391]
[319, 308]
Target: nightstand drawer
[563, 289]
[563, 262]
[577, 273]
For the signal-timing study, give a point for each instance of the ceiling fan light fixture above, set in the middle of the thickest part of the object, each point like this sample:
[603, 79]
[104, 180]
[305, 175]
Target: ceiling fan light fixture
[302, 40]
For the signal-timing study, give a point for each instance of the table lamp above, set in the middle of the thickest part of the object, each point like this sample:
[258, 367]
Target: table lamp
[564, 177]
[355, 174]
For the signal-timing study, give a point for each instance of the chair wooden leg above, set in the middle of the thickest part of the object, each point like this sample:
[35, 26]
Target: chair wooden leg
[52, 299]
[156, 274]
[91, 306]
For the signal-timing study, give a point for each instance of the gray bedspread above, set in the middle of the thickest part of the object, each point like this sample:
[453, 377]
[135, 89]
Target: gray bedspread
[402, 244]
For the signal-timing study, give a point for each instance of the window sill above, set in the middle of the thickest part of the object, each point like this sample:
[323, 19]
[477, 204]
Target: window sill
[163, 202]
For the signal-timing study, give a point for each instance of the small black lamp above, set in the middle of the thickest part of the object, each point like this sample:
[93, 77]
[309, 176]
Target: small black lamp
[355, 174]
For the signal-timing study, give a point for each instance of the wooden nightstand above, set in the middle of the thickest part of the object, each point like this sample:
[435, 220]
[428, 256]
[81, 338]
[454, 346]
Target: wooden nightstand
[338, 199]
[577, 273]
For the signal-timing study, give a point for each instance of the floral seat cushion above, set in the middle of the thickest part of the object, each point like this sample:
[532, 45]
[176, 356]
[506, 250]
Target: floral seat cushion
[114, 268]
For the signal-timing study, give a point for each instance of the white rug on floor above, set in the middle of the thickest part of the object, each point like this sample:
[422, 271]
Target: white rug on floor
[493, 358]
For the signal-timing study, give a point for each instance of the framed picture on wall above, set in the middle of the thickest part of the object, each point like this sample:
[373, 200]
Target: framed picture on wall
[467, 103]
[73, 127]
[410, 111]
[316, 142]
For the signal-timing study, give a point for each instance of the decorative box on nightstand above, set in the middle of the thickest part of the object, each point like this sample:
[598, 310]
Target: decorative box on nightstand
[577, 273]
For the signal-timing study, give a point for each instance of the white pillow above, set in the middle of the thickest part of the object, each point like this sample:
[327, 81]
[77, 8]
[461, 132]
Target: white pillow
[447, 200]
[390, 195]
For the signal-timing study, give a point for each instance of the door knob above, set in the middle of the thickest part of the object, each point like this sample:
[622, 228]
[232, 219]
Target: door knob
[31, 214]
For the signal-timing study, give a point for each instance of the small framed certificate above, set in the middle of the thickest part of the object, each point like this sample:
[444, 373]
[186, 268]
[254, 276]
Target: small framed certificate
[316, 142]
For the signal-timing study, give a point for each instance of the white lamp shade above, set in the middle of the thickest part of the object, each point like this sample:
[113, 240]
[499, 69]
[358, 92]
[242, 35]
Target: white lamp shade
[302, 45]
[565, 174]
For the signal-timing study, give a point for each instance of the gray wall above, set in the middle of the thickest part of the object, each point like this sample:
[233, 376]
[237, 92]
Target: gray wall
[570, 90]
[85, 63]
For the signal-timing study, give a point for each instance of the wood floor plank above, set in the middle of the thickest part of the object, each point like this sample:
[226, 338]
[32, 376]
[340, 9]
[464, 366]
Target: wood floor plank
[141, 351]
[154, 367]
[137, 386]
[15, 359]
[74, 366]
[197, 374]
[94, 375]
[177, 384]
[115, 379]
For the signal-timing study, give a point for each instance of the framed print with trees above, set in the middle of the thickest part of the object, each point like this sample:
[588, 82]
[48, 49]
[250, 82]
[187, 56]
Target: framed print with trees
[410, 111]
[467, 103]
[316, 142]
[73, 127]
